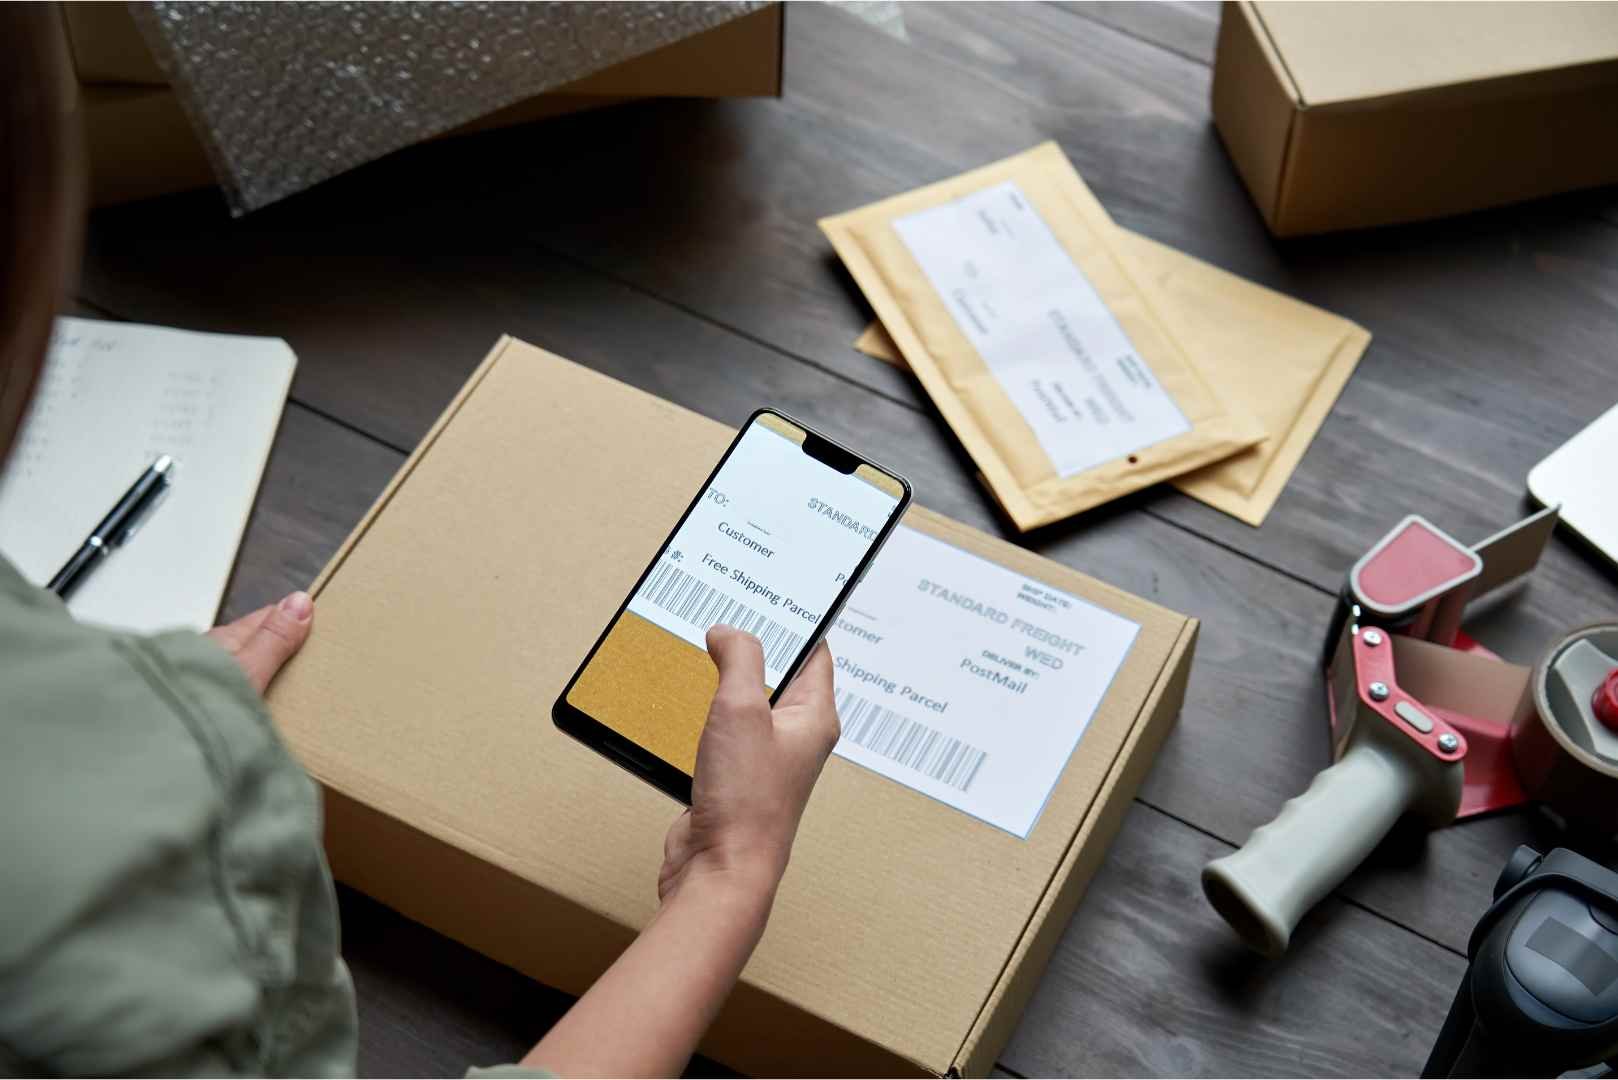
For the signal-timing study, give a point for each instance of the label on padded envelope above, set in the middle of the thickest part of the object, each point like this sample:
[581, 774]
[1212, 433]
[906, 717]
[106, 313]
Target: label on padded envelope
[1042, 330]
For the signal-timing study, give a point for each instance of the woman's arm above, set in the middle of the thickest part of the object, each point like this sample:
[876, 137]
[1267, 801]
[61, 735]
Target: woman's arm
[645, 1016]
[722, 862]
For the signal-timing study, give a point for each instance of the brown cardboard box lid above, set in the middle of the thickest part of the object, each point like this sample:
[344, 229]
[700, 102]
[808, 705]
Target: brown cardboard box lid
[106, 45]
[457, 610]
[1351, 51]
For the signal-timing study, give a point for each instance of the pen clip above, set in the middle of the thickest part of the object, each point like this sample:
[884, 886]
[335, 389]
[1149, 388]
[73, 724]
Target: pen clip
[128, 531]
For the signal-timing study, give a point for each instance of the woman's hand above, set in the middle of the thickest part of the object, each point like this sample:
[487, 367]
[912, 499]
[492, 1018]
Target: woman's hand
[755, 770]
[265, 640]
[721, 863]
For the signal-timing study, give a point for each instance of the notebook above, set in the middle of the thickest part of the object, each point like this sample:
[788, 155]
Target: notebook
[1578, 477]
[112, 397]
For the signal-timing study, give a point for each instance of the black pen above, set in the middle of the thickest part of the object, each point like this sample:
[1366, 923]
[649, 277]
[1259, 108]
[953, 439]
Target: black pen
[115, 528]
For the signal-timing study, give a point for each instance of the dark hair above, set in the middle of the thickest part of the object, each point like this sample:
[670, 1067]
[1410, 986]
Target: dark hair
[41, 197]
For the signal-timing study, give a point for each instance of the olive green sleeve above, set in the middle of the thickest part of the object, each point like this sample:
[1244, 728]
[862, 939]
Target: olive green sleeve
[168, 910]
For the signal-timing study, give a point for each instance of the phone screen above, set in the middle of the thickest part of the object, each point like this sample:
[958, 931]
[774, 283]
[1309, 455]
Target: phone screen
[781, 530]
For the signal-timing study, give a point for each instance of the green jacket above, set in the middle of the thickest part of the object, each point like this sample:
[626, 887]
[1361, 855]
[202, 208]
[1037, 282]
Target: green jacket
[164, 904]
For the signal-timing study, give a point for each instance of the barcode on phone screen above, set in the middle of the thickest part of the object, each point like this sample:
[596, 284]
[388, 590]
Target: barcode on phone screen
[900, 739]
[704, 606]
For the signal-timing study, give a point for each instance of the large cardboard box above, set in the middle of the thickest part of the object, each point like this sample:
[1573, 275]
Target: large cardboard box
[906, 937]
[1343, 115]
[141, 144]
[106, 45]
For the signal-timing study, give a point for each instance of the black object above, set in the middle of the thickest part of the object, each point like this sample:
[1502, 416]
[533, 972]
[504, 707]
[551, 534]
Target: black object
[667, 777]
[115, 529]
[1540, 996]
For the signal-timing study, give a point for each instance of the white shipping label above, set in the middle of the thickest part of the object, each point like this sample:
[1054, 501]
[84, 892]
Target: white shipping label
[967, 681]
[1041, 328]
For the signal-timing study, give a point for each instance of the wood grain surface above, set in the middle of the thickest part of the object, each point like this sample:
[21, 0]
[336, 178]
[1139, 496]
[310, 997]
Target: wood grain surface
[672, 244]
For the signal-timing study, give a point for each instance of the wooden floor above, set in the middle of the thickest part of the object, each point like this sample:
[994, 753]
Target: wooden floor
[673, 245]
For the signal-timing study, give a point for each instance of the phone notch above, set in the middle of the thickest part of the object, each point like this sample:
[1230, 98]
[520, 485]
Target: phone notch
[829, 453]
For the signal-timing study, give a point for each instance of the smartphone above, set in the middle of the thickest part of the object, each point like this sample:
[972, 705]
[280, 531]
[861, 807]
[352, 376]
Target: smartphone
[773, 543]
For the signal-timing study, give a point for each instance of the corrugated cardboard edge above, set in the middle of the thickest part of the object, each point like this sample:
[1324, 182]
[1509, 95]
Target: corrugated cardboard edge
[1256, 106]
[1089, 846]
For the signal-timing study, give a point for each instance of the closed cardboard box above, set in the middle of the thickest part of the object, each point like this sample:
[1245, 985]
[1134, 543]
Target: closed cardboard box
[906, 936]
[1345, 115]
[141, 144]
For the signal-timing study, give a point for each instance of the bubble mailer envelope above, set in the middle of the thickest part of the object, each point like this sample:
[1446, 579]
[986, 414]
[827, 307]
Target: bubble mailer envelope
[284, 96]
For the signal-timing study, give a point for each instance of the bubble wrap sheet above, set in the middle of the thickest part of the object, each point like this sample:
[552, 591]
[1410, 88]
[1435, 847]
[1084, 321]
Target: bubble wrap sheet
[286, 95]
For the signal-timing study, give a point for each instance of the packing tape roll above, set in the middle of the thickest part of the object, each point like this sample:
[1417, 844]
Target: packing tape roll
[1559, 745]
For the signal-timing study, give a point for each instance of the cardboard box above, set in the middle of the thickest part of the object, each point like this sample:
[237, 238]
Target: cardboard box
[906, 937]
[1343, 115]
[106, 45]
[141, 144]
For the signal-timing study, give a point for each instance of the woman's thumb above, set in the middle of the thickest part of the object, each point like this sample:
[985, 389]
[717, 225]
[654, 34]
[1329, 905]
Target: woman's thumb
[272, 643]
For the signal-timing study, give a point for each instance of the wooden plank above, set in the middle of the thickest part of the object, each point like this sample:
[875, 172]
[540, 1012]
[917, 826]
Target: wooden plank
[1200, 1006]
[1147, 982]
[432, 1007]
[250, 277]
[1251, 735]
[1490, 353]
[1491, 329]
[320, 480]
[1458, 306]
[712, 206]
[1189, 28]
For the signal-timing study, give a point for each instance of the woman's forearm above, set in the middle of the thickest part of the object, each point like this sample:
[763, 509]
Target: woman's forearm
[645, 1015]
[722, 861]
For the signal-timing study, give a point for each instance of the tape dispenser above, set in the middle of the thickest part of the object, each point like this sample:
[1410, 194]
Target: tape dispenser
[1426, 722]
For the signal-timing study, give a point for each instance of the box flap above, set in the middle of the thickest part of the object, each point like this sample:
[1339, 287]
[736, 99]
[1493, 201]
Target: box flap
[455, 614]
[1349, 51]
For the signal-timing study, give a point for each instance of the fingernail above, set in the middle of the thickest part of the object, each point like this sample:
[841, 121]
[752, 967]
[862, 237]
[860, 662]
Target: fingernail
[298, 605]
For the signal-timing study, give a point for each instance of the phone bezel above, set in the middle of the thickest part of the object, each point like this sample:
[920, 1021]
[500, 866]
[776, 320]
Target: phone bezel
[631, 756]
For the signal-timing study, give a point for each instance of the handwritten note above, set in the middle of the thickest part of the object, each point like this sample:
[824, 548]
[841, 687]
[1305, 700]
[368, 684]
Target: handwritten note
[113, 396]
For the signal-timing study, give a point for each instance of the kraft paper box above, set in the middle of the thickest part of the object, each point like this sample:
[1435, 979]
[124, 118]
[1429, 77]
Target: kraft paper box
[1281, 360]
[1345, 115]
[1045, 348]
[141, 144]
[907, 936]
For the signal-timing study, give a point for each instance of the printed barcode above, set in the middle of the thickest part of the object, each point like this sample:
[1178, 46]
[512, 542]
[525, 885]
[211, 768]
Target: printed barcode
[898, 738]
[704, 606]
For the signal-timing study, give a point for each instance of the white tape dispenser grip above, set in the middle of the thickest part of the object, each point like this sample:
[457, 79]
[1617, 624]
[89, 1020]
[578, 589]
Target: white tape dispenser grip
[1393, 757]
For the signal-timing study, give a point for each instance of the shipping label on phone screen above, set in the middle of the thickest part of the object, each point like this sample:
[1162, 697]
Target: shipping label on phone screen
[767, 549]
